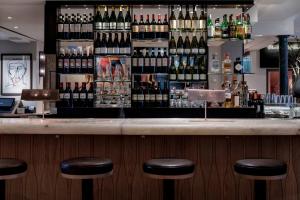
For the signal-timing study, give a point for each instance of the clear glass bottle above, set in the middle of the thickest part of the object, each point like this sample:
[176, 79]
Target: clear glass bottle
[215, 64]
[227, 64]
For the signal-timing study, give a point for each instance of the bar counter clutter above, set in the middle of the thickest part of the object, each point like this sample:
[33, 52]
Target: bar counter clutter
[150, 126]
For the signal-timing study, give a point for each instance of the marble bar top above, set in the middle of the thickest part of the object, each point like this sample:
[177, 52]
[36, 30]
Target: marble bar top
[157, 126]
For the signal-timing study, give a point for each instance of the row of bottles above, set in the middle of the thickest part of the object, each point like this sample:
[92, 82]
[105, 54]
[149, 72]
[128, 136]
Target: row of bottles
[150, 94]
[190, 21]
[75, 26]
[239, 28]
[149, 60]
[187, 47]
[188, 68]
[150, 29]
[109, 45]
[76, 97]
[75, 61]
[112, 21]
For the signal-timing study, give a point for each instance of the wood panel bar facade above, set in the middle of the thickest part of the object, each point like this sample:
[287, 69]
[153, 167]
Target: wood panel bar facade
[214, 157]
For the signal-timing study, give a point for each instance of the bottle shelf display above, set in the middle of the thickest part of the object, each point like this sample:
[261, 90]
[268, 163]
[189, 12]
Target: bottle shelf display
[124, 52]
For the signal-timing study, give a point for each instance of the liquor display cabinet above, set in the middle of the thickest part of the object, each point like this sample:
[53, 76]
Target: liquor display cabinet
[138, 60]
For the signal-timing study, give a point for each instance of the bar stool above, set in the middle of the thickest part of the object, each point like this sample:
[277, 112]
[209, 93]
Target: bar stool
[260, 170]
[10, 169]
[86, 169]
[169, 170]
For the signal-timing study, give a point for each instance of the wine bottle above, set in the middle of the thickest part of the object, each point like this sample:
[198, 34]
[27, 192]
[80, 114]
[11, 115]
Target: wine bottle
[127, 23]
[147, 62]
[60, 60]
[180, 19]
[135, 29]
[68, 95]
[188, 73]
[84, 61]
[196, 72]
[159, 27]
[134, 61]
[116, 48]
[75, 95]
[159, 95]
[172, 46]
[187, 19]
[120, 21]
[122, 44]
[159, 62]
[195, 20]
[224, 27]
[180, 45]
[165, 62]
[103, 44]
[202, 20]
[152, 62]
[113, 19]
[147, 34]
[77, 28]
[141, 96]
[83, 95]
[187, 46]
[140, 62]
[90, 63]
[134, 94]
[181, 72]
[210, 28]
[153, 27]
[73, 61]
[105, 23]
[202, 69]
[97, 44]
[202, 46]
[84, 27]
[72, 20]
[194, 46]
[110, 49]
[173, 21]
[152, 95]
[66, 27]
[165, 95]
[98, 20]
[60, 26]
[67, 61]
[165, 26]
[147, 94]
[141, 28]
[90, 96]
[172, 71]
[128, 44]
[78, 62]
[61, 102]
[90, 22]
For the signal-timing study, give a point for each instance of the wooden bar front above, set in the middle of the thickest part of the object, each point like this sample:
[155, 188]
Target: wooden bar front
[214, 157]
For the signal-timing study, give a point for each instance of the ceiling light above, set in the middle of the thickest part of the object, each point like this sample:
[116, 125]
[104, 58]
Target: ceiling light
[259, 35]
[16, 27]
[9, 18]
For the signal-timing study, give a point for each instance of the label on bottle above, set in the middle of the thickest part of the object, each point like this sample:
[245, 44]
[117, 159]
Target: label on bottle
[195, 24]
[89, 28]
[97, 50]
[66, 28]
[134, 97]
[173, 77]
[227, 95]
[158, 62]
[77, 28]
[215, 66]
[159, 97]
[162, 28]
[75, 96]
[181, 77]
[90, 63]
[196, 77]
[120, 25]
[147, 28]
[60, 28]
[141, 62]
[113, 25]
[82, 96]
[90, 95]
[202, 51]
[173, 24]
[181, 24]
[67, 96]
[147, 97]
[61, 95]
[187, 24]
[141, 28]
[202, 24]
[98, 26]
[180, 51]
[66, 63]
[127, 50]
[84, 28]
[166, 28]
[173, 51]
[134, 62]
[60, 63]
[187, 51]
[140, 97]
[116, 50]
[72, 28]
[127, 25]
[147, 62]
[238, 68]
[103, 50]
[110, 50]
[210, 32]
[105, 25]
[135, 28]
[152, 97]
[156, 28]
[202, 76]
[78, 63]
[195, 51]
[165, 97]
[188, 77]
[165, 62]
[122, 50]
[72, 63]
[236, 101]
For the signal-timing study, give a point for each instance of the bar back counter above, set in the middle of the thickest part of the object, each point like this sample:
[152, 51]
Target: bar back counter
[213, 145]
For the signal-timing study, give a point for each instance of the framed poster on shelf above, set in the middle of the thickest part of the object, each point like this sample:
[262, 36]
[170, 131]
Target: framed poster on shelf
[16, 73]
[273, 82]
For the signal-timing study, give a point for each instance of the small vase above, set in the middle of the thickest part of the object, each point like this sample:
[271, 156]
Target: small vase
[297, 87]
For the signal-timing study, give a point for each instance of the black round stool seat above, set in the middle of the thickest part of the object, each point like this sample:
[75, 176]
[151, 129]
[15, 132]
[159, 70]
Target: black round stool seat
[86, 166]
[169, 167]
[9, 167]
[260, 167]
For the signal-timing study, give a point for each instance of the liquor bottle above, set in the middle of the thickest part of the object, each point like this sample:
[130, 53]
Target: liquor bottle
[247, 26]
[226, 86]
[90, 96]
[135, 28]
[153, 27]
[68, 95]
[159, 28]
[202, 46]
[235, 93]
[165, 62]
[60, 26]
[105, 20]
[141, 28]
[173, 21]
[103, 44]
[98, 43]
[172, 46]
[181, 72]
[202, 69]
[122, 44]
[90, 22]
[187, 45]
[218, 30]
[134, 61]
[128, 44]
[180, 19]
[84, 61]
[60, 60]
[75, 95]
[147, 34]
[187, 19]
[66, 27]
[203, 20]
[227, 64]
[110, 44]
[165, 100]
[238, 67]
[113, 19]
[98, 21]
[224, 27]
[172, 71]
[165, 29]
[90, 63]
[77, 28]
[147, 62]
[61, 102]
[196, 72]
[159, 64]
[232, 27]
[194, 46]
[180, 46]
[67, 61]
[158, 95]
[78, 62]
[127, 24]
[72, 26]
[239, 28]
[120, 20]
[215, 64]
[116, 48]
[195, 20]
[73, 61]
[188, 73]
[152, 62]
[140, 61]
[83, 95]
[210, 28]
[84, 27]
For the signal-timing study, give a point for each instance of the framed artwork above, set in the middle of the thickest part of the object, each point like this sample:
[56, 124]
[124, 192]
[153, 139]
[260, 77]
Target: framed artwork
[16, 73]
[273, 82]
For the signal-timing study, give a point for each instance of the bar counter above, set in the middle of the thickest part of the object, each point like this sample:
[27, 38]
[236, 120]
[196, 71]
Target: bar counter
[214, 145]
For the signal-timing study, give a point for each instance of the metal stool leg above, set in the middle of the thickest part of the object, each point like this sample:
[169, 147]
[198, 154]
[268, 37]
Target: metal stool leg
[169, 189]
[2, 189]
[260, 190]
[87, 189]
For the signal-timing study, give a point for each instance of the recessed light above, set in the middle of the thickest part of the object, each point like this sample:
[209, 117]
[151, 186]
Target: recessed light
[9, 17]
[259, 35]
[16, 27]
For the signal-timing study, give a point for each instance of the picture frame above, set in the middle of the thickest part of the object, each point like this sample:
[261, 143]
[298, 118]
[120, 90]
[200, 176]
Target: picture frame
[273, 82]
[16, 73]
